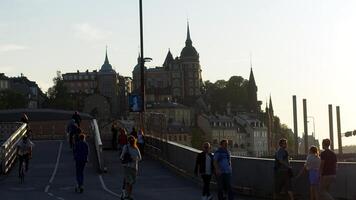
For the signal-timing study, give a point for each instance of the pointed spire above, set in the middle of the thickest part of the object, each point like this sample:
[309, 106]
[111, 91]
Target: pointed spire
[188, 42]
[169, 59]
[106, 56]
[251, 80]
[271, 106]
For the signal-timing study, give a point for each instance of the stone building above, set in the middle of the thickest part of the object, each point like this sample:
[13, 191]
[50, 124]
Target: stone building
[106, 82]
[178, 79]
[22, 85]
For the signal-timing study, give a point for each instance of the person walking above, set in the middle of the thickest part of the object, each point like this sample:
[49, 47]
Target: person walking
[122, 138]
[327, 170]
[114, 131]
[130, 157]
[223, 170]
[282, 171]
[312, 166]
[134, 132]
[77, 118]
[204, 166]
[81, 158]
[141, 141]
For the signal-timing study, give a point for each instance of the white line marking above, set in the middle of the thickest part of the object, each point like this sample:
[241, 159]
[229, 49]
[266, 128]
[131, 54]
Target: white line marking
[57, 163]
[47, 188]
[50, 194]
[60, 198]
[105, 188]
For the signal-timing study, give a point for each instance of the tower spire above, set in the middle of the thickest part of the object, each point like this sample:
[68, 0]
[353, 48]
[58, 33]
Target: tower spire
[188, 42]
[106, 55]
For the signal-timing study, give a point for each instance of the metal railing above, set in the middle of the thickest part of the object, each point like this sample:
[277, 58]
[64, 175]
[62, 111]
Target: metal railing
[8, 149]
[98, 144]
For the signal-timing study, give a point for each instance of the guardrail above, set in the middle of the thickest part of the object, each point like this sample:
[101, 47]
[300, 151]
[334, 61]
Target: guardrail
[8, 149]
[254, 175]
[98, 144]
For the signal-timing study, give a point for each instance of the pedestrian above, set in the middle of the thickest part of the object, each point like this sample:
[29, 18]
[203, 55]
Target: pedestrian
[129, 158]
[77, 118]
[223, 170]
[282, 171]
[312, 166]
[327, 170]
[70, 129]
[122, 138]
[204, 166]
[141, 141]
[114, 131]
[24, 151]
[81, 158]
[134, 132]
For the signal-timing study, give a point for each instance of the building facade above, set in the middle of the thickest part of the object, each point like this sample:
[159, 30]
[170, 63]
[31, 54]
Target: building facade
[106, 82]
[178, 78]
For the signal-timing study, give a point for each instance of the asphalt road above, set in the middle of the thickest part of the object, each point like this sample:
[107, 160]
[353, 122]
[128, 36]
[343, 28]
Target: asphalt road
[52, 176]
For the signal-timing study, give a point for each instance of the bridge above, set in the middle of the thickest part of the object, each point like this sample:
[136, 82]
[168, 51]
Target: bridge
[166, 173]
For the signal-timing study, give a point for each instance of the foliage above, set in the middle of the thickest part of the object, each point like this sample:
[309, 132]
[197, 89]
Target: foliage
[198, 138]
[10, 99]
[58, 95]
[221, 93]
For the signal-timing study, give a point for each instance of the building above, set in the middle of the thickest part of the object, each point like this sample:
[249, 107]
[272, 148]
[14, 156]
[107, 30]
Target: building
[256, 130]
[4, 82]
[106, 82]
[218, 127]
[178, 79]
[173, 112]
[22, 85]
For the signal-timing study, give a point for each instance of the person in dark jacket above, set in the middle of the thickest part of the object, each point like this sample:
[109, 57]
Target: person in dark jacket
[204, 166]
[77, 118]
[114, 131]
[81, 158]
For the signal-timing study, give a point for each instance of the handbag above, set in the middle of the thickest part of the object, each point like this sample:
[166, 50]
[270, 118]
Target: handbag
[127, 156]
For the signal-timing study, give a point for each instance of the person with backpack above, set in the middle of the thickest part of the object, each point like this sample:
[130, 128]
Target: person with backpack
[204, 166]
[130, 157]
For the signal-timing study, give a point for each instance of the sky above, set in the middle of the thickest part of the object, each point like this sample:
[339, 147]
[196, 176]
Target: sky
[298, 47]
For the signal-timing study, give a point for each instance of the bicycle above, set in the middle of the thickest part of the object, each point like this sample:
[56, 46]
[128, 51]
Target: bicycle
[22, 172]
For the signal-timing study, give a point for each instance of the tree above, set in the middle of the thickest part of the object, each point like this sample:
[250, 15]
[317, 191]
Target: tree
[58, 95]
[10, 99]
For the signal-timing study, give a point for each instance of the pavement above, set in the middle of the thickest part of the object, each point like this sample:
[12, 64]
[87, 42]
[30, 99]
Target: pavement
[52, 176]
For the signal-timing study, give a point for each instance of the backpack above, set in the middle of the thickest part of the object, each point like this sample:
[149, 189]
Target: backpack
[127, 156]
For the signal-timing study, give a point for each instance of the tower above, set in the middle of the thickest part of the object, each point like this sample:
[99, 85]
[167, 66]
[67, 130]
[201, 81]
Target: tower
[187, 80]
[252, 94]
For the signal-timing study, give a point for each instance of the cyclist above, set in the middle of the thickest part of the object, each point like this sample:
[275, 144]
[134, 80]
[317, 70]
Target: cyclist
[24, 151]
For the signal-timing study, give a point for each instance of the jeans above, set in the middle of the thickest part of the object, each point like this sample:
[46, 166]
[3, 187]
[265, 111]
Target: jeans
[224, 184]
[24, 158]
[79, 165]
[206, 184]
[325, 183]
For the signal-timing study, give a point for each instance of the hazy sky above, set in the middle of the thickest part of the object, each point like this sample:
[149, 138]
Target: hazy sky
[302, 47]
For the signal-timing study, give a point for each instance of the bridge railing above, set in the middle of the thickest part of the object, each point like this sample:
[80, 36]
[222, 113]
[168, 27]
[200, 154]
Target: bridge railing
[98, 144]
[8, 149]
[253, 175]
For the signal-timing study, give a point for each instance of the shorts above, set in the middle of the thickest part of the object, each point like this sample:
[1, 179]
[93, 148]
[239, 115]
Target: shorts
[314, 177]
[130, 175]
[282, 181]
